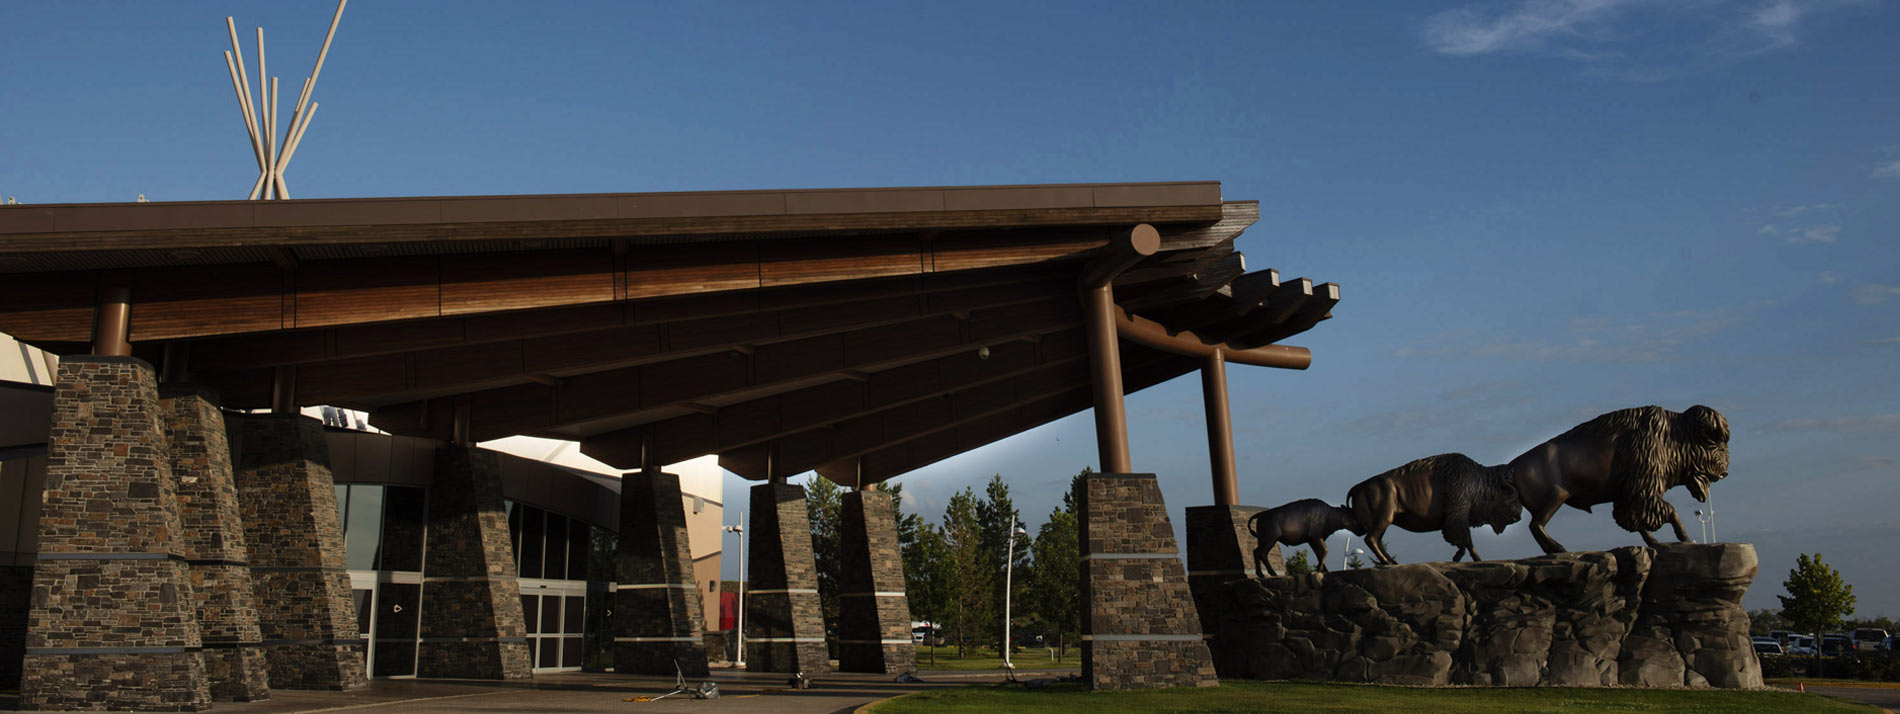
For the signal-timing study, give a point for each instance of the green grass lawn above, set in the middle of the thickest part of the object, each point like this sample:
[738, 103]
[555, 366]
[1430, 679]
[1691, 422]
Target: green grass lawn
[987, 658]
[1250, 697]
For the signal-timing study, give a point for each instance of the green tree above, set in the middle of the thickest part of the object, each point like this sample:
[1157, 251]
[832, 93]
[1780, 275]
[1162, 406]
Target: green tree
[928, 578]
[1354, 561]
[1818, 598]
[1301, 563]
[1056, 574]
[996, 515]
[823, 501]
[971, 571]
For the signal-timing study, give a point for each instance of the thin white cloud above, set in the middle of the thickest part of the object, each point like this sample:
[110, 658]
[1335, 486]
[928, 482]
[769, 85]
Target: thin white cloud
[1792, 211]
[1874, 293]
[1638, 40]
[1890, 169]
[1829, 277]
[1854, 424]
[1817, 234]
[1894, 340]
[1656, 337]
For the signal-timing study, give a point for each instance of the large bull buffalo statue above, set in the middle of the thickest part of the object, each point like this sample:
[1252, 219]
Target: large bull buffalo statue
[1628, 457]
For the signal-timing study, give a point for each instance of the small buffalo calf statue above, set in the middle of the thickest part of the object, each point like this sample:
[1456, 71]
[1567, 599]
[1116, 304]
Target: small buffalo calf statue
[1309, 521]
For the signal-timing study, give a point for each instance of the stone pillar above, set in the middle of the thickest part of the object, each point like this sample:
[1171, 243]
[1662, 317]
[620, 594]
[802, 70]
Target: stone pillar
[1219, 552]
[471, 595]
[873, 614]
[304, 607]
[1140, 629]
[112, 624]
[785, 627]
[213, 539]
[656, 620]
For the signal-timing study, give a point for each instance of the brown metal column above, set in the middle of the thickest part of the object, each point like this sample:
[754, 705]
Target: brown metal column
[1220, 429]
[1105, 366]
[283, 390]
[112, 323]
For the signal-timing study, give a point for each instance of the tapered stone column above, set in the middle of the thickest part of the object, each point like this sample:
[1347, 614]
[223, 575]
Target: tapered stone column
[304, 607]
[213, 540]
[1140, 629]
[873, 614]
[471, 597]
[112, 624]
[784, 625]
[1220, 551]
[657, 612]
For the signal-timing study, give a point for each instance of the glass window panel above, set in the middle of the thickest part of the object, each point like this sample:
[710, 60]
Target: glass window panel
[570, 652]
[404, 518]
[550, 652]
[363, 599]
[396, 628]
[529, 614]
[551, 615]
[395, 659]
[364, 529]
[577, 550]
[533, 525]
[556, 557]
[575, 612]
[342, 500]
[598, 641]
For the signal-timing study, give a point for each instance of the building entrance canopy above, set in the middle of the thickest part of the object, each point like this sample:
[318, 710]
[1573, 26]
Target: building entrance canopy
[863, 333]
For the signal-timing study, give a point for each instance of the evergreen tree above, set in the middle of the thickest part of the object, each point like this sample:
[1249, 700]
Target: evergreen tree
[996, 515]
[1056, 568]
[971, 571]
[928, 579]
[823, 500]
[1818, 598]
[1301, 563]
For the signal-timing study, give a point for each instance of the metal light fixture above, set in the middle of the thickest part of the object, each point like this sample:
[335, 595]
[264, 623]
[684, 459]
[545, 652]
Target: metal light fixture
[739, 629]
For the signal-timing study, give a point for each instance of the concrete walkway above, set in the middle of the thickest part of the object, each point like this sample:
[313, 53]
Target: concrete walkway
[1887, 698]
[740, 693]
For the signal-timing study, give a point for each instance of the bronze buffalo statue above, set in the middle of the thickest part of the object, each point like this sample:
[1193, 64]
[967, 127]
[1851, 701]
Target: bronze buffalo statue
[1310, 521]
[1447, 492]
[1628, 457]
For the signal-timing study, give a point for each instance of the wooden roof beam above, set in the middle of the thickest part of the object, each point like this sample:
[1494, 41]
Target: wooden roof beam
[740, 425]
[1315, 309]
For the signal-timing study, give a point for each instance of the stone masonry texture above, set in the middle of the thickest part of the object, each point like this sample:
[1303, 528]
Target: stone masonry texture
[1219, 551]
[873, 613]
[471, 602]
[784, 627]
[656, 620]
[1634, 617]
[288, 499]
[1140, 629]
[212, 538]
[112, 624]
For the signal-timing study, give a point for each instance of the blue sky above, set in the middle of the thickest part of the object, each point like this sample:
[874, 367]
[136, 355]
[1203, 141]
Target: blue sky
[1537, 211]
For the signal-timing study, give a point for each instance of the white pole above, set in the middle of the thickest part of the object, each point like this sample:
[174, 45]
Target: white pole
[740, 628]
[1009, 567]
[1710, 504]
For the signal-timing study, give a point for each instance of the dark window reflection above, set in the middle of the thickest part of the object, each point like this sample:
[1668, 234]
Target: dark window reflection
[550, 652]
[550, 614]
[529, 613]
[514, 528]
[533, 527]
[600, 557]
[556, 557]
[404, 516]
[570, 651]
[578, 545]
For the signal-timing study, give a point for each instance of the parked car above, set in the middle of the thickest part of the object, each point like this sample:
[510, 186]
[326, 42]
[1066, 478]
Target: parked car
[1892, 644]
[1836, 645]
[1768, 645]
[1780, 635]
[1868, 639]
[1800, 645]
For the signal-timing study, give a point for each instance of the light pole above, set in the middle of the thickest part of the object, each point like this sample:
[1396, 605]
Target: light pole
[1009, 567]
[740, 628]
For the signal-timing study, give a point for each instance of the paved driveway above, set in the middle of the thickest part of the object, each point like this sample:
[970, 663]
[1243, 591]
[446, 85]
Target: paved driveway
[1887, 698]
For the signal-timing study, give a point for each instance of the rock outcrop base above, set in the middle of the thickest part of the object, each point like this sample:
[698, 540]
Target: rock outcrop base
[1642, 617]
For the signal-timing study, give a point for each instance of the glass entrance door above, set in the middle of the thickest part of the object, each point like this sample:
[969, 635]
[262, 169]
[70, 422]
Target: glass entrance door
[555, 612]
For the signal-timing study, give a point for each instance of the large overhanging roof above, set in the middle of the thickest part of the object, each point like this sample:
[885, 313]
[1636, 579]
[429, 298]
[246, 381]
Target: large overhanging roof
[860, 332]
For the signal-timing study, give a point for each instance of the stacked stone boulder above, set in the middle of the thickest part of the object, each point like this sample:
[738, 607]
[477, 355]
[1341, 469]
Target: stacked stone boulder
[1667, 617]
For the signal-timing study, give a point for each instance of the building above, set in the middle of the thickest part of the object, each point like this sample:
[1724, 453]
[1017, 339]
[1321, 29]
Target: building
[858, 333]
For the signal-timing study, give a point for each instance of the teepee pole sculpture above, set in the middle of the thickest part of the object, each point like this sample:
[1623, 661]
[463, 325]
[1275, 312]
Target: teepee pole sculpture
[260, 122]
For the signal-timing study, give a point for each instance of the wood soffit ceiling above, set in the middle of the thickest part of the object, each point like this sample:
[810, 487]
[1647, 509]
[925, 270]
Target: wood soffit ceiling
[859, 332]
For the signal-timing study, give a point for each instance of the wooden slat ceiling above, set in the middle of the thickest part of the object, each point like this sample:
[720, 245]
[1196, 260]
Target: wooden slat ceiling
[859, 332]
